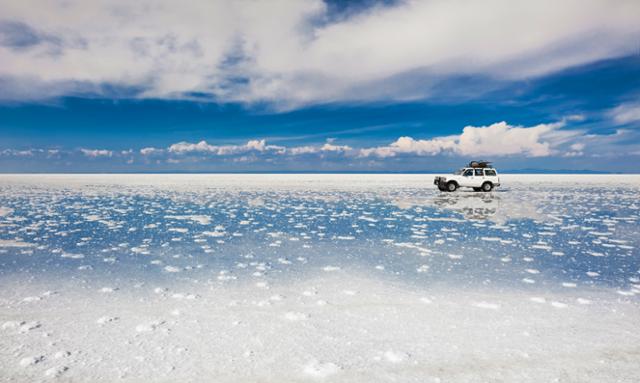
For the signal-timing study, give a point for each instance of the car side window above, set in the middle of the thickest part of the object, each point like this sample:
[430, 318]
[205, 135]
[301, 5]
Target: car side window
[490, 173]
[478, 172]
[468, 173]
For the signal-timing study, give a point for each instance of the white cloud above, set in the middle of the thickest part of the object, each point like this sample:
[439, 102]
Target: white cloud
[575, 150]
[577, 147]
[94, 153]
[502, 139]
[259, 145]
[222, 150]
[150, 151]
[19, 153]
[410, 145]
[330, 147]
[499, 139]
[293, 52]
[626, 113]
[187, 147]
[307, 149]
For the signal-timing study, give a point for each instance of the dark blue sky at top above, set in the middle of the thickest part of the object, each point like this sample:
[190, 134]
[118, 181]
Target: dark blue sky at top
[120, 123]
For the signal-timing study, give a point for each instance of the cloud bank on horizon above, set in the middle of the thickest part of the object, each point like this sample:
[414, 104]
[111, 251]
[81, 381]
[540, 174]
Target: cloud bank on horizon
[498, 140]
[295, 55]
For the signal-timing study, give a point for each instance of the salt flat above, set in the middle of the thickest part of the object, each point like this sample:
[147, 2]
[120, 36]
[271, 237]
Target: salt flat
[318, 278]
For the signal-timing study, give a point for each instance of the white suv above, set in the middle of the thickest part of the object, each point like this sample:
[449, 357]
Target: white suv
[478, 176]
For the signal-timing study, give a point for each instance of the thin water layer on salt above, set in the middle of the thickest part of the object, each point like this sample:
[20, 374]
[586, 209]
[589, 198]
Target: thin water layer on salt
[344, 278]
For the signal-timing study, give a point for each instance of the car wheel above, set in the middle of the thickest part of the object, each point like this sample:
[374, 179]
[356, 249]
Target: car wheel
[477, 189]
[451, 186]
[487, 186]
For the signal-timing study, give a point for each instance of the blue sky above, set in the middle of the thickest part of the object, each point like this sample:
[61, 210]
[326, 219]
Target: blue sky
[315, 86]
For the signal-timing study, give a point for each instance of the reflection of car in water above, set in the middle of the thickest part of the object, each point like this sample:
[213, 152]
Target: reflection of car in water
[496, 207]
[471, 206]
[479, 175]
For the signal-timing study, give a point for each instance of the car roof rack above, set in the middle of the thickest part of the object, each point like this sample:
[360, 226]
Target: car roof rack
[480, 164]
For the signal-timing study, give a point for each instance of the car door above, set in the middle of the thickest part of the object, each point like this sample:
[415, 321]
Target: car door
[478, 177]
[490, 175]
[467, 178]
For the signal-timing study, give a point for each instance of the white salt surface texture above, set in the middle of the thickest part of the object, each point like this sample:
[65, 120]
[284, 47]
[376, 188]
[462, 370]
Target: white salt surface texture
[384, 332]
[305, 278]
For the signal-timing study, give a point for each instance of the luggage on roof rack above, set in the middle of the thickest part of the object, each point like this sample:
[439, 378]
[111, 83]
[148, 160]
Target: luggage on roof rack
[480, 164]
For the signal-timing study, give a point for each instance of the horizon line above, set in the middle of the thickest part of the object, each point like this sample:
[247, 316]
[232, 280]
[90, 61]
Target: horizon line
[506, 172]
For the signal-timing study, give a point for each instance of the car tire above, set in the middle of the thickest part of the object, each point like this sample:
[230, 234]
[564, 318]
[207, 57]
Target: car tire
[487, 187]
[477, 189]
[451, 186]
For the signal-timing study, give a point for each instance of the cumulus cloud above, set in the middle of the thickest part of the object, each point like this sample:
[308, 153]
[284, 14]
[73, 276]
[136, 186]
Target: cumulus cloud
[203, 147]
[94, 153]
[327, 147]
[410, 145]
[188, 147]
[330, 147]
[149, 151]
[626, 113]
[296, 52]
[575, 150]
[502, 139]
[19, 153]
[299, 150]
[499, 139]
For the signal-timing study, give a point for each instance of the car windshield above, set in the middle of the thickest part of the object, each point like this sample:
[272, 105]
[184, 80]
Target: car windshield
[459, 172]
